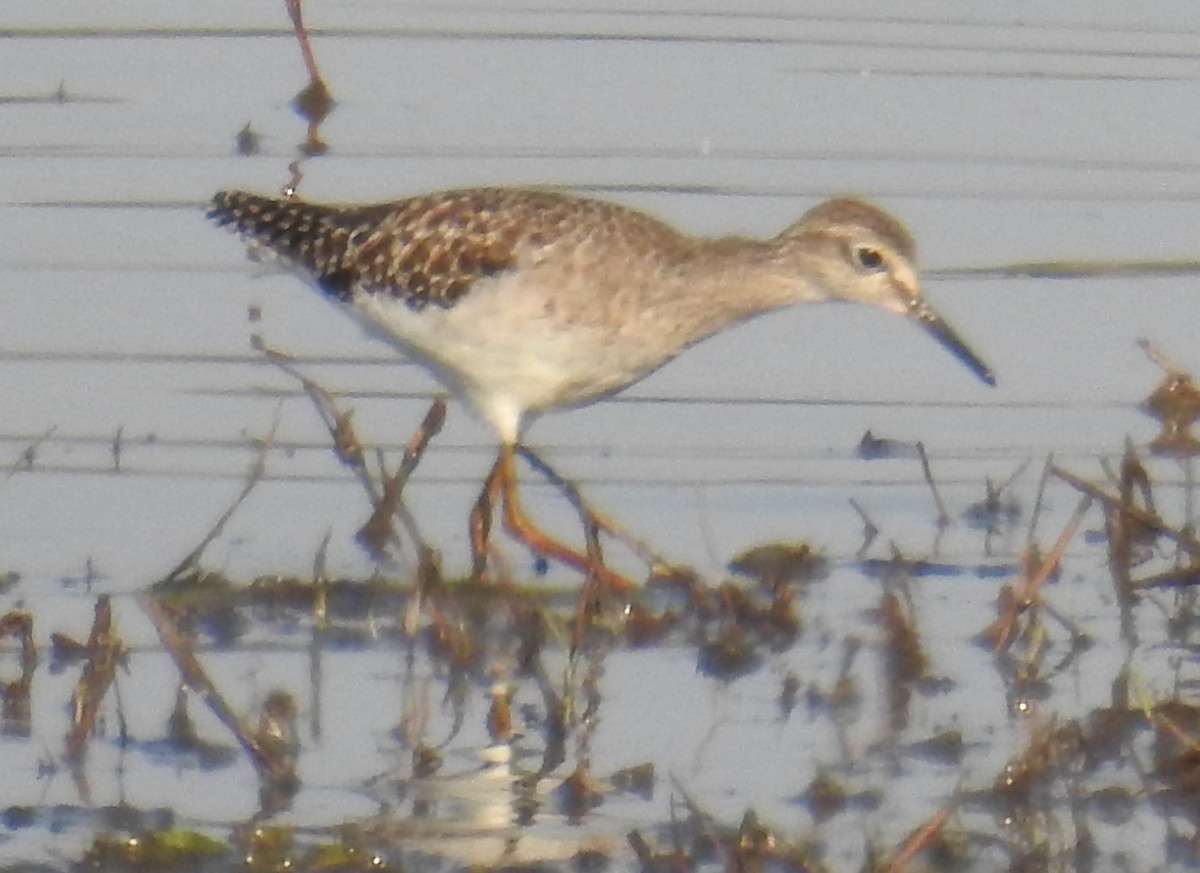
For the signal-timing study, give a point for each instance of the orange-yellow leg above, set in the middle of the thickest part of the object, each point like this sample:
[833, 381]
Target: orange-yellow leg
[502, 480]
[593, 519]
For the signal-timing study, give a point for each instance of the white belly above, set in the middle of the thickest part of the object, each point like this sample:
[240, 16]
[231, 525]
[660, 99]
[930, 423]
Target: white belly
[503, 350]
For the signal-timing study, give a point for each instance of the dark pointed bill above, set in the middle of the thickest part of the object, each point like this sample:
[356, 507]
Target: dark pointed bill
[944, 334]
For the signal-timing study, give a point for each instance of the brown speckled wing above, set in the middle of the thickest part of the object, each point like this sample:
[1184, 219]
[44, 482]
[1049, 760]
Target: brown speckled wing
[425, 250]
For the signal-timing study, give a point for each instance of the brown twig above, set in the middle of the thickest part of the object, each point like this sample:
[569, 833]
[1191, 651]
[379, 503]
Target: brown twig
[349, 451]
[296, 13]
[253, 477]
[943, 517]
[378, 528]
[180, 649]
[104, 650]
[1114, 503]
[25, 460]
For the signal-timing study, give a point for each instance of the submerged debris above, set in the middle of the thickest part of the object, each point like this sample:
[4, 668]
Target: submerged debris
[1175, 403]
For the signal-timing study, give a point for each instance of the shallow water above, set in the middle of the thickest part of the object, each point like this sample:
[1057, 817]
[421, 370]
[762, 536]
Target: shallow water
[1009, 135]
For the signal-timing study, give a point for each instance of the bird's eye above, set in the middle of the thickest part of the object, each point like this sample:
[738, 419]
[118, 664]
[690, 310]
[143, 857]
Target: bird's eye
[868, 258]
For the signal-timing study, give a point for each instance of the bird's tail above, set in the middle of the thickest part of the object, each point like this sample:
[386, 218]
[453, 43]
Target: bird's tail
[305, 235]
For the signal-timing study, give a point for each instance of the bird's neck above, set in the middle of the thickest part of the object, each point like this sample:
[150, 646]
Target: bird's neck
[733, 279]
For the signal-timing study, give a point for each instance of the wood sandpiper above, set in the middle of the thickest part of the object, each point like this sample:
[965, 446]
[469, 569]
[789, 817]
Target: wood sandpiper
[521, 301]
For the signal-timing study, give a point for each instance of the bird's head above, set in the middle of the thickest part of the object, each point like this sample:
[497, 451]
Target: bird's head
[853, 251]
